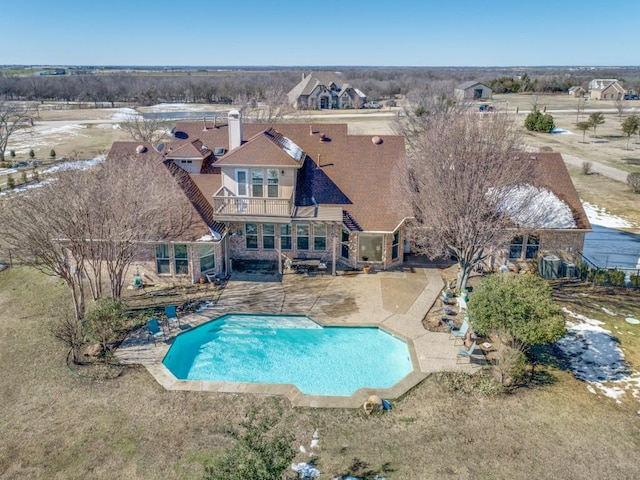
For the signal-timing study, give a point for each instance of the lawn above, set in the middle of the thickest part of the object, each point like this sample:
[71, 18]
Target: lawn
[55, 424]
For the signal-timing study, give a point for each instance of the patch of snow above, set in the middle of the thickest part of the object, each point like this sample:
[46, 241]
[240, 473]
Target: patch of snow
[123, 113]
[27, 187]
[595, 357]
[609, 312]
[561, 131]
[305, 471]
[76, 165]
[600, 216]
[531, 206]
[632, 321]
[205, 238]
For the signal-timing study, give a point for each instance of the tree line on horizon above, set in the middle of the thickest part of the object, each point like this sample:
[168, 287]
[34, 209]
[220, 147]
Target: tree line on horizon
[147, 87]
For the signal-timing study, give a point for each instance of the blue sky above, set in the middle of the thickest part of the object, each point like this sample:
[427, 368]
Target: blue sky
[298, 32]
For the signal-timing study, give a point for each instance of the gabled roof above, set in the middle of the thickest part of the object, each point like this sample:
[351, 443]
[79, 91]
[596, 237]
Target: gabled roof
[267, 148]
[469, 84]
[315, 79]
[194, 149]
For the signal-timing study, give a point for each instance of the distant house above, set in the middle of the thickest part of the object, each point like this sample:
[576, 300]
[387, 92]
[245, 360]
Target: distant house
[577, 91]
[606, 89]
[472, 90]
[325, 90]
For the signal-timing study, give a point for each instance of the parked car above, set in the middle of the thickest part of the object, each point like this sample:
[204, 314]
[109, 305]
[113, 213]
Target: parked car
[631, 96]
[485, 107]
[372, 105]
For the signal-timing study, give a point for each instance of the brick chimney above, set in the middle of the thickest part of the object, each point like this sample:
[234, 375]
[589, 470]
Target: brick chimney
[235, 129]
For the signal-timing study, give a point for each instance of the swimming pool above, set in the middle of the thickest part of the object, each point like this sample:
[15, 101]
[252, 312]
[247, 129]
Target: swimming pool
[289, 349]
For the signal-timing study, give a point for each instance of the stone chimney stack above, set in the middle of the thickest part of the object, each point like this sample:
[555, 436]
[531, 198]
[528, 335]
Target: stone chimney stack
[235, 129]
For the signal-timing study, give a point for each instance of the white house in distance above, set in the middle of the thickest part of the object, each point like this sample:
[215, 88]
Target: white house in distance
[605, 89]
[325, 90]
[472, 90]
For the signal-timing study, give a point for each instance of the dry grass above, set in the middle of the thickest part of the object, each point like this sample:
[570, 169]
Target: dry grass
[56, 425]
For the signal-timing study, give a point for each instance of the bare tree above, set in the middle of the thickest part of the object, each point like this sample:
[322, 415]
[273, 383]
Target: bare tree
[463, 170]
[619, 104]
[13, 117]
[144, 129]
[269, 105]
[87, 221]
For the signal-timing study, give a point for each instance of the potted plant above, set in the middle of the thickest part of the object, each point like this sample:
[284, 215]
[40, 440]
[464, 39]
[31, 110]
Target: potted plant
[366, 269]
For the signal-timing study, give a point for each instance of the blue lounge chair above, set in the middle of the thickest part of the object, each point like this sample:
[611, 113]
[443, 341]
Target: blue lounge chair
[464, 353]
[155, 329]
[172, 315]
[461, 332]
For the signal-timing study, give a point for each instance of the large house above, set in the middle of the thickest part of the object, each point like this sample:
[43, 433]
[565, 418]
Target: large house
[280, 192]
[276, 193]
[325, 90]
[606, 89]
[472, 90]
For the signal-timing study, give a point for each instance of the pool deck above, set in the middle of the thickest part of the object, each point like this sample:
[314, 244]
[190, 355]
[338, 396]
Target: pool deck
[396, 301]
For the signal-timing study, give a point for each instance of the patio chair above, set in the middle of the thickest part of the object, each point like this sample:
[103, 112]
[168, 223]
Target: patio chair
[172, 315]
[461, 332]
[154, 330]
[462, 304]
[464, 353]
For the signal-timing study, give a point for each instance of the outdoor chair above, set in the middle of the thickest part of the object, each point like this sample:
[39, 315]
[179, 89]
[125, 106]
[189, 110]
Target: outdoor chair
[464, 353]
[461, 332]
[462, 304]
[154, 330]
[172, 315]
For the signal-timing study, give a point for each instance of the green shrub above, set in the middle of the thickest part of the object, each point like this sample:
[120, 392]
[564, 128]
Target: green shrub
[598, 276]
[537, 121]
[583, 268]
[635, 280]
[23, 176]
[52, 153]
[104, 319]
[32, 154]
[11, 183]
[12, 153]
[616, 278]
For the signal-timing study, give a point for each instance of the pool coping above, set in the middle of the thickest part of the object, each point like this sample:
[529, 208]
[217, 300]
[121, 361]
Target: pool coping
[429, 351]
[169, 381]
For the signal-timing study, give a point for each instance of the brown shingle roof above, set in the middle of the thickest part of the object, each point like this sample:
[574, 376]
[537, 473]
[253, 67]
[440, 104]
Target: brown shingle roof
[267, 148]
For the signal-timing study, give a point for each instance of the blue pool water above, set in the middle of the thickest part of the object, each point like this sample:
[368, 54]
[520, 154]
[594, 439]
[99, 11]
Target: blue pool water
[289, 350]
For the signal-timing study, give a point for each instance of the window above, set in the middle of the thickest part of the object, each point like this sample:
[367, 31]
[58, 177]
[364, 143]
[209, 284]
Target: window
[207, 259]
[251, 235]
[345, 243]
[515, 248]
[241, 180]
[257, 182]
[181, 259]
[268, 236]
[370, 248]
[272, 183]
[285, 237]
[319, 236]
[533, 245]
[395, 245]
[163, 264]
[302, 236]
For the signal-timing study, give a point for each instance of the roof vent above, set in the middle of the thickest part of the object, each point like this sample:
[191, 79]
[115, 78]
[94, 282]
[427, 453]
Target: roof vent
[160, 147]
[376, 140]
[219, 151]
[323, 137]
[204, 147]
[141, 149]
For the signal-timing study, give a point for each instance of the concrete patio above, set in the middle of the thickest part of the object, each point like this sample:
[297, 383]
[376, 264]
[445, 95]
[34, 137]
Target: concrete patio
[396, 301]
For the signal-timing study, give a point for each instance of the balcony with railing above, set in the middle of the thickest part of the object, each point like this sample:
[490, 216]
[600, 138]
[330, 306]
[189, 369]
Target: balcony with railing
[227, 205]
